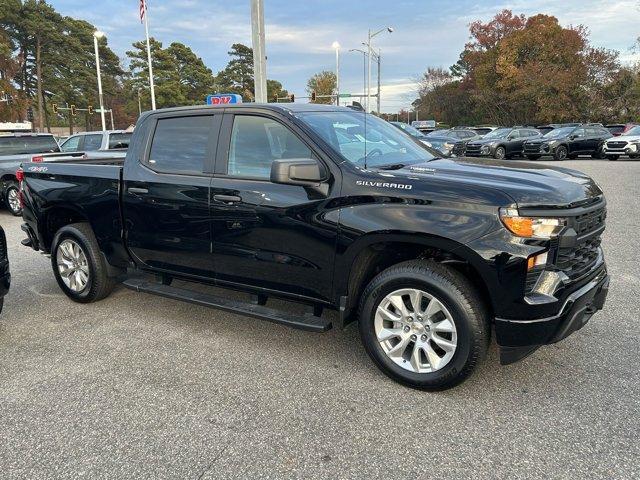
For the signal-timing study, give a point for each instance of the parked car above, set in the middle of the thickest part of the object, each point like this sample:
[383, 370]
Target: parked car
[5, 276]
[16, 148]
[94, 141]
[422, 138]
[627, 143]
[448, 145]
[502, 143]
[618, 129]
[427, 254]
[482, 130]
[568, 142]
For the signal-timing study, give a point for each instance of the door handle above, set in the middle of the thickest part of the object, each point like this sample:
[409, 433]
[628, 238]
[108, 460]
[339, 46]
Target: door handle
[227, 198]
[137, 191]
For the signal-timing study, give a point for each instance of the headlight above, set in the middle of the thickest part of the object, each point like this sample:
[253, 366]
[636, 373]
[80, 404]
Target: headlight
[530, 227]
[484, 148]
[448, 145]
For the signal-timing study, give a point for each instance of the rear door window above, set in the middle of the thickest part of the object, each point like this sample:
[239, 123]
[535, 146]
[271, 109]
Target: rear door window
[92, 143]
[181, 144]
[119, 140]
[72, 144]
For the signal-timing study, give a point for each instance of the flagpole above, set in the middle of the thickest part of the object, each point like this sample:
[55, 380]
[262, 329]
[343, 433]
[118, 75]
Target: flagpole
[146, 31]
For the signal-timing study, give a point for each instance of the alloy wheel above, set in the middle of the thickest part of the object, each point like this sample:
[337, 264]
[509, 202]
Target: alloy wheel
[72, 265]
[13, 199]
[415, 330]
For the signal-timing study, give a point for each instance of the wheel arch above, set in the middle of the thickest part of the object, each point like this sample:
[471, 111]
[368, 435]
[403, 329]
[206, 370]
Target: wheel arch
[375, 252]
[56, 217]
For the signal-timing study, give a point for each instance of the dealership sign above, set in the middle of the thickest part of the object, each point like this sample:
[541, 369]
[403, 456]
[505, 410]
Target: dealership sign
[223, 98]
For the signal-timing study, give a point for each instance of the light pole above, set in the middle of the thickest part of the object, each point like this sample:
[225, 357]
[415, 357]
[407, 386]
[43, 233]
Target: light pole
[371, 35]
[364, 67]
[336, 47]
[96, 35]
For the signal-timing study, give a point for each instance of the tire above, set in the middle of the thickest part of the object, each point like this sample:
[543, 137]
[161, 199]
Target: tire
[533, 157]
[613, 157]
[459, 300]
[12, 199]
[98, 283]
[500, 153]
[597, 155]
[561, 153]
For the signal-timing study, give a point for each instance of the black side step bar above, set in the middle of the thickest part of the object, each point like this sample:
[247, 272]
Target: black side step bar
[306, 321]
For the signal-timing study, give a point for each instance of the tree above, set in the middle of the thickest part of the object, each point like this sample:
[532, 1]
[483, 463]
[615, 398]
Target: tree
[9, 67]
[518, 70]
[237, 77]
[275, 90]
[323, 83]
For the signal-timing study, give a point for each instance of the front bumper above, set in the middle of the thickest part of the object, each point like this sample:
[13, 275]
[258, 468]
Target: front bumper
[519, 338]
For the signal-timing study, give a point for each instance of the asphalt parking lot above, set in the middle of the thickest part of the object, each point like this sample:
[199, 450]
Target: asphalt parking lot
[138, 386]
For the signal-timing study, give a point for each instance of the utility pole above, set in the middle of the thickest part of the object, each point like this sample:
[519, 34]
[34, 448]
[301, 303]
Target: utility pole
[336, 46]
[145, 15]
[96, 35]
[378, 99]
[259, 54]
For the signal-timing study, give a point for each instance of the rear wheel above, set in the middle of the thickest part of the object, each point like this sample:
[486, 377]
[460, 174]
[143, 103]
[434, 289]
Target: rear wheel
[424, 325]
[78, 265]
[613, 157]
[12, 199]
[561, 153]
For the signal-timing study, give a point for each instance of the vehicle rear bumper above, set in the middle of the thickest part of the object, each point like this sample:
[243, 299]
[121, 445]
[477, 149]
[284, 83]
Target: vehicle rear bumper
[519, 338]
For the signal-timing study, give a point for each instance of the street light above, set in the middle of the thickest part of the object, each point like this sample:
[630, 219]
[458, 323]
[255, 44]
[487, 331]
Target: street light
[336, 46]
[364, 68]
[368, 44]
[96, 35]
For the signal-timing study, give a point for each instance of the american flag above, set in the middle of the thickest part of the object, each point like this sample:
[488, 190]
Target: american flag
[143, 7]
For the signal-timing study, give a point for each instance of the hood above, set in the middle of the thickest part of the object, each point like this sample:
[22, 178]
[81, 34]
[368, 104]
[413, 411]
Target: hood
[485, 141]
[528, 184]
[624, 138]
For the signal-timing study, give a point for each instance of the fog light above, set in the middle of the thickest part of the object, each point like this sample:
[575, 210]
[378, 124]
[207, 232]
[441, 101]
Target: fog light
[536, 261]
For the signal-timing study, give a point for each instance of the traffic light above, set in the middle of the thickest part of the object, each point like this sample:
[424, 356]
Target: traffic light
[313, 95]
[90, 109]
[73, 110]
[292, 98]
[54, 107]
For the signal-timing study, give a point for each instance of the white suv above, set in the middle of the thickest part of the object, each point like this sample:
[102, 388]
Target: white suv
[626, 144]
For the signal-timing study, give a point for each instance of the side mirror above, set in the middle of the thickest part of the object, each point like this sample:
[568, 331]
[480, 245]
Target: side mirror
[304, 172]
[572, 137]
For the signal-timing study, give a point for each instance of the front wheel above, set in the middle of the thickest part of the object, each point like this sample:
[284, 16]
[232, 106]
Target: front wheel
[78, 265]
[561, 153]
[12, 199]
[613, 157]
[500, 153]
[424, 325]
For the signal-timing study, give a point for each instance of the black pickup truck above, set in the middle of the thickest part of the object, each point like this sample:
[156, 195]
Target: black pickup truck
[334, 209]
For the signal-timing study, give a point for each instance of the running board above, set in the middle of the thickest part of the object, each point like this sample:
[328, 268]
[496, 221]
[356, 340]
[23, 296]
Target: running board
[303, 321]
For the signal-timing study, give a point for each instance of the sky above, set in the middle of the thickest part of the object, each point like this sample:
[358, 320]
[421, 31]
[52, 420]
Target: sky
[299, 33]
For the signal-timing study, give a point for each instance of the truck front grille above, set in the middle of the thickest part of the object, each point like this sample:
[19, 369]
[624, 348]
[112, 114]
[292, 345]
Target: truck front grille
[590, 221]
[577, 261]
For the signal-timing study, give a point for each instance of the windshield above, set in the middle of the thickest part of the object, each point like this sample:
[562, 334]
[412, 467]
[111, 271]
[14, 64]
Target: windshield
[414, 132]
[438, 133]
[498, 133]
[559, 132]
[26, 144]
[633, 131]
[365, 140]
